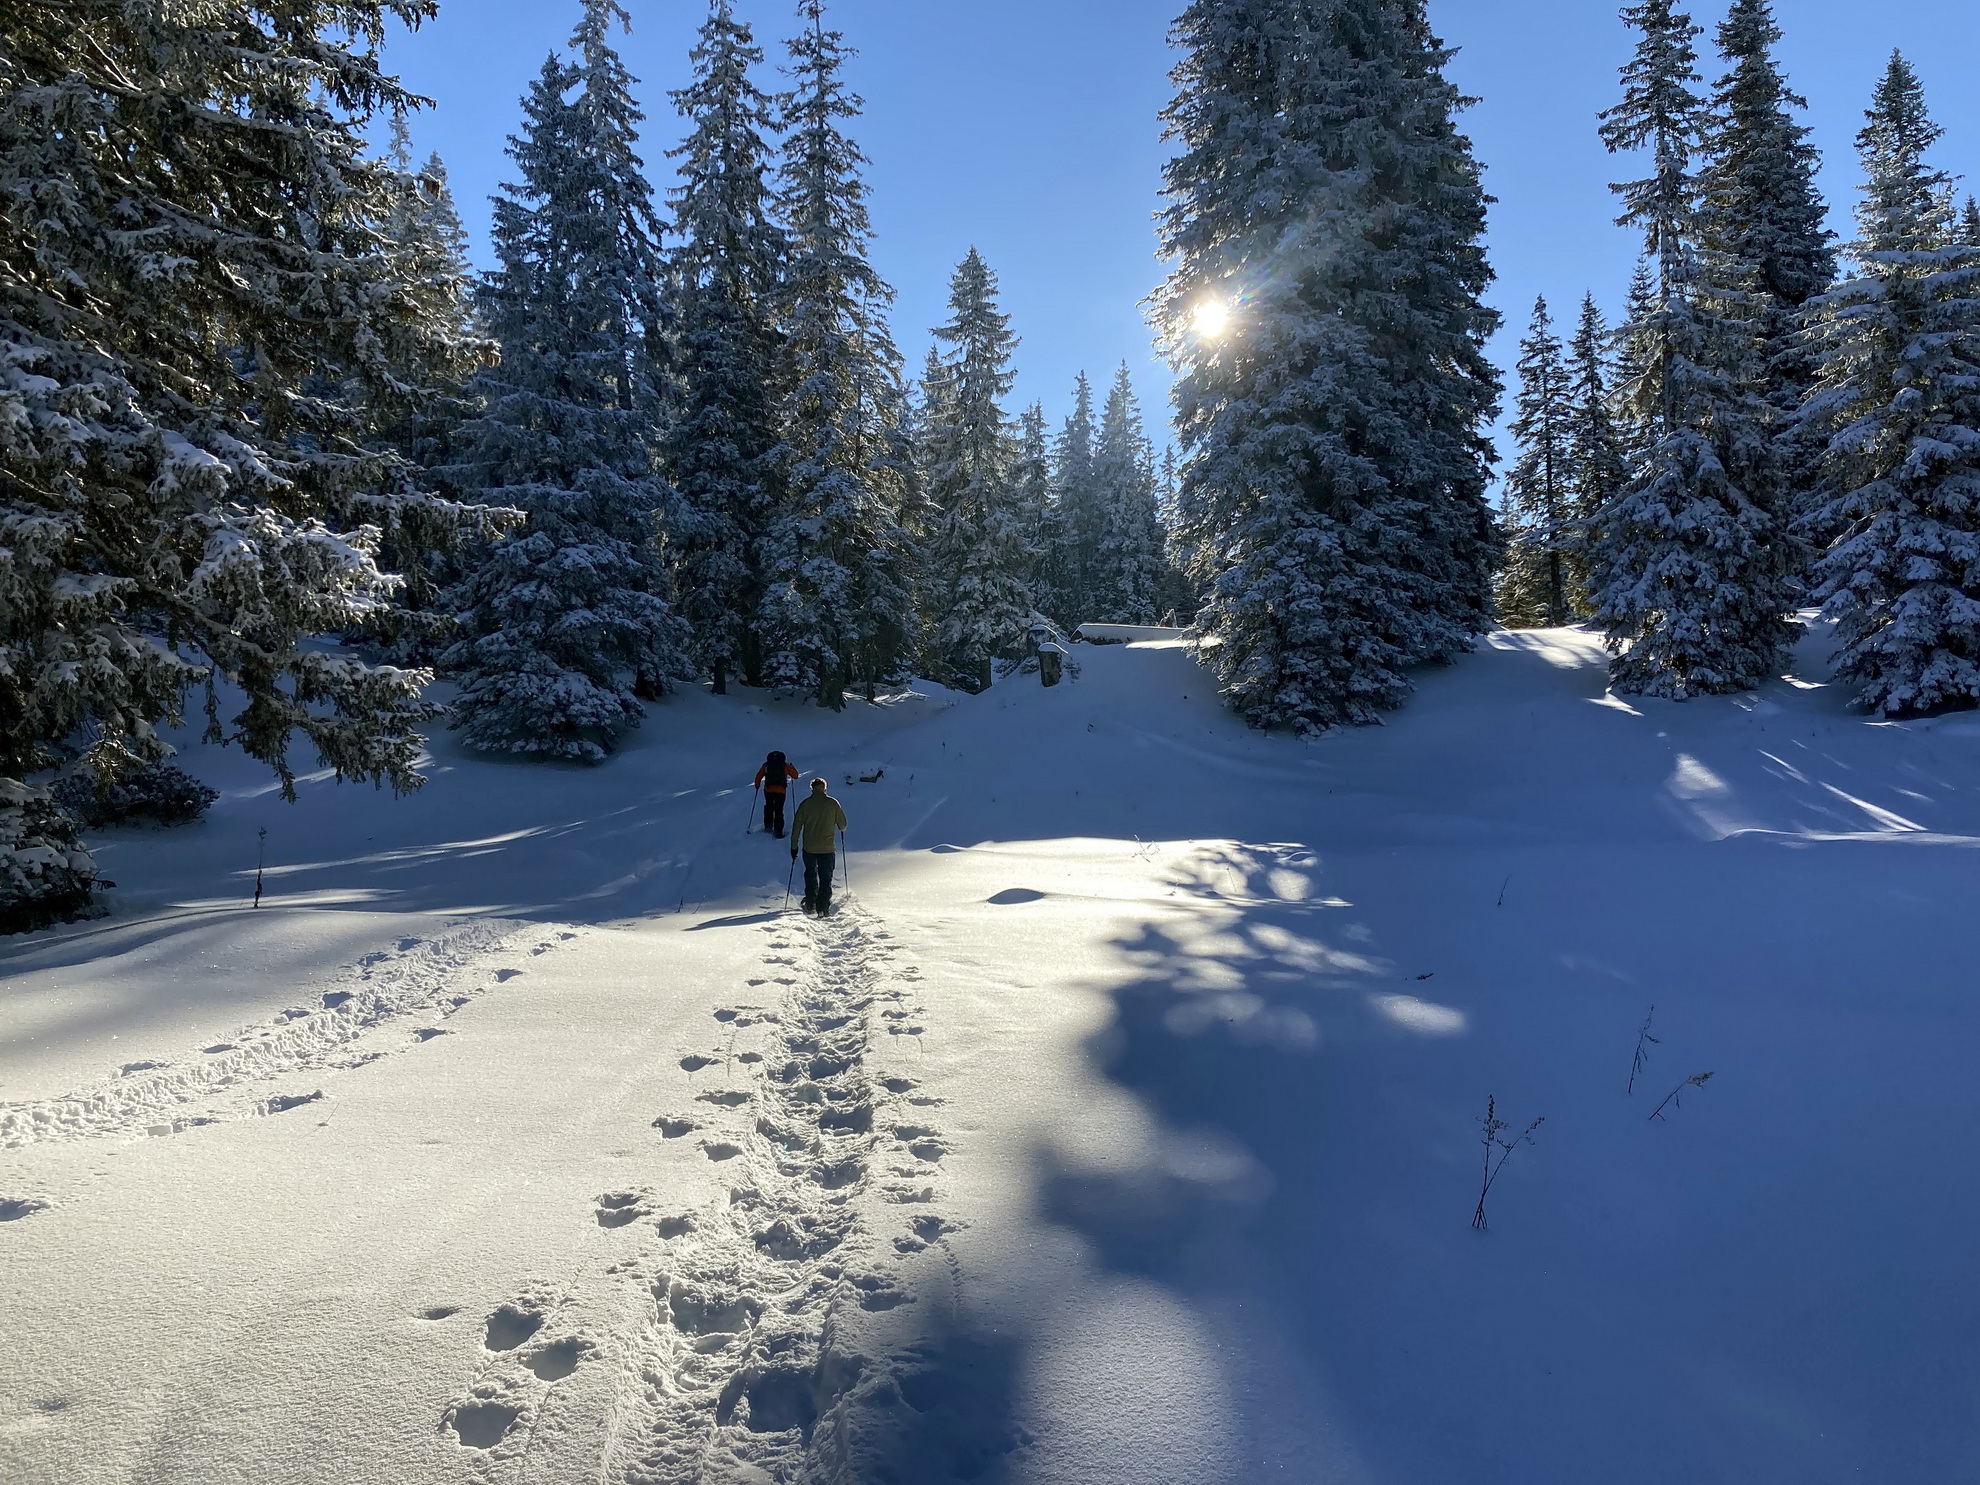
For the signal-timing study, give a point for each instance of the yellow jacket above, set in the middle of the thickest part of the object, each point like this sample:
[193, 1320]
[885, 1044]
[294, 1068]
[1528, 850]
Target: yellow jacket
[815, 824]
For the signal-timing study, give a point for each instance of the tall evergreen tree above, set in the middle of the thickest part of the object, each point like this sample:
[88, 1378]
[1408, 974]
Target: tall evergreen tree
[1073, 536]
[1536, 586]
[1179, 596]
[1327, 320]
[837, 563]
[1634, 348]
[978, 601]
[566, 625]
[1598, 467]
[427, 247]
[1128, 558]
[723, 452]
[1691, 566]
[200, 341]
[1899, 403]
[1761, 222]
[1032, 481]
[423, 540]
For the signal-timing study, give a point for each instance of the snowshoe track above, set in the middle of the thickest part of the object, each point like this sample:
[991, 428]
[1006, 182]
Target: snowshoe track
[358, 1022]
[721, 1345]
[748, 1366]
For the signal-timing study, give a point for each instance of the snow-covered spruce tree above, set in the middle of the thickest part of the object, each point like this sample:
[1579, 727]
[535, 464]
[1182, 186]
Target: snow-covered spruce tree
[1598, 470]
[1899, 402]
[1633, 347]
[977, 599]
[1128, 557]
[837, 565]
[1691, 565]
[1031, 483]
[425, 541]
[1761, 222]
[1073, 535]
[1327, 321]
[1535, 587]
[723, 452]
[565, 625]
[1179, 597]
[199, 339]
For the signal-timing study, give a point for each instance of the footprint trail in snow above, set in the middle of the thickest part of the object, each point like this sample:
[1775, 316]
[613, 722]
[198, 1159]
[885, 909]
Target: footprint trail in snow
[774, 1332]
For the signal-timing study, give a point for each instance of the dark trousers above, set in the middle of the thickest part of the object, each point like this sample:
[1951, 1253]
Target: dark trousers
[773, 811]
[818, 869]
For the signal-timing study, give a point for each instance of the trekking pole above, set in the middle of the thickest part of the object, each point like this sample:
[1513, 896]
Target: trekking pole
[750, 824]
[845, 864]
[788, 880]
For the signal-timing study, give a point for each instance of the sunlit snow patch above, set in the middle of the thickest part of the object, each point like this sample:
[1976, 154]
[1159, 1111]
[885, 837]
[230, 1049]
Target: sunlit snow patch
[1420, 1016]
[1706, 797]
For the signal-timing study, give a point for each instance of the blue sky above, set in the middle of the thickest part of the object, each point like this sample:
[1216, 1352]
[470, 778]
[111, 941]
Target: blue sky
[1028, 128]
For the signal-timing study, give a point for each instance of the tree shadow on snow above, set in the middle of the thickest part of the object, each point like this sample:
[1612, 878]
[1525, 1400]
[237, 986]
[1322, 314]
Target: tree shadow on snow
[1282, 1061]
[940, 1412]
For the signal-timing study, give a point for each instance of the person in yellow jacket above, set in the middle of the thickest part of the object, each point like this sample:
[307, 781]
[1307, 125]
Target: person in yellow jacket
[814, 831]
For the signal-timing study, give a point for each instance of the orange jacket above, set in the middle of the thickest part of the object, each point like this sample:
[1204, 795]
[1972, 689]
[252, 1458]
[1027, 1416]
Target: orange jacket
[776, 785]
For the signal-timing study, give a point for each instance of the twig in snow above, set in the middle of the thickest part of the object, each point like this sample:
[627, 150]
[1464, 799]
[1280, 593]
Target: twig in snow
[1502, 889]
[1675, 1098]
[260, 864]
[1495, 1129]
[1644, 1042]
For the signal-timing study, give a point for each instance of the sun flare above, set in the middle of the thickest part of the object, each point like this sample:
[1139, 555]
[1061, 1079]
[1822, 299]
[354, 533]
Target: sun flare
[1212, 317]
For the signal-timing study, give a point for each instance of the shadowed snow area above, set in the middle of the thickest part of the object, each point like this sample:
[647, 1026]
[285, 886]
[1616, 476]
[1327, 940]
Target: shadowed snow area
[1121, 1129]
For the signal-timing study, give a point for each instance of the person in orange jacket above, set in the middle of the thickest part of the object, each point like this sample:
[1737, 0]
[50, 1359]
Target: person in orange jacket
[775, 778]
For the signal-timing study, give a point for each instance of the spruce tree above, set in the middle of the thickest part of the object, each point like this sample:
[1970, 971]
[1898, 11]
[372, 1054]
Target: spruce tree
[427, 247]
[1327, 320]
[1691, 565]
[979, 603]
[1899, 402]
[1072, 537]
[1536, 585]
[1761, 222]
[565, 626]
[1126, 575]
[201, 338]
[425, 542]
[1031, 480]
[1634, 348]
[837, 563]
[723, 453]
[1179, 596]
[1598, 469]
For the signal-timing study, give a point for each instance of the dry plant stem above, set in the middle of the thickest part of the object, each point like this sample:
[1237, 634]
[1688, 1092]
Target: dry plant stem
[261, 864]
[1674, 1099]
[1644, 1042]
[1495, 1128]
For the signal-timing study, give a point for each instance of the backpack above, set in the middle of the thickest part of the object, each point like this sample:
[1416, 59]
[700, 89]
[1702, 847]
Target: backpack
[776, 772]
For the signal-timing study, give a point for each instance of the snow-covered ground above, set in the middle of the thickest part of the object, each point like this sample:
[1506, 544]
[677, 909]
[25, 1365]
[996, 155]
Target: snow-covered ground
[1122, 1129]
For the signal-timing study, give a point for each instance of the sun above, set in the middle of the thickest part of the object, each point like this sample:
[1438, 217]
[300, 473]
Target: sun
[1212, 317]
